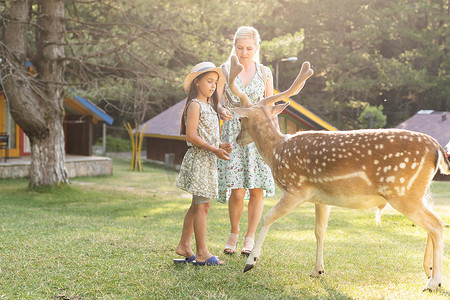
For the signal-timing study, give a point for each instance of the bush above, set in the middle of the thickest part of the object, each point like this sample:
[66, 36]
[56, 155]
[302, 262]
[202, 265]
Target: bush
[116, 144]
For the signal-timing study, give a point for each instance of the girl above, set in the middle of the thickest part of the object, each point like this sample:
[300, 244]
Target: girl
[198, 173]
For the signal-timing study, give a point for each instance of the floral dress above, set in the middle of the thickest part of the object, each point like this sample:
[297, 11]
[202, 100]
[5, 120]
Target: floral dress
[246, 168]
[198, 172]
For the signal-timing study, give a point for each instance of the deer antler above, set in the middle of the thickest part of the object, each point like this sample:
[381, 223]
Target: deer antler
[296, 87]
[235, 69]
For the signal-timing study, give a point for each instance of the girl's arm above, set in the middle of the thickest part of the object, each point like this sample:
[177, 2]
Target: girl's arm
[193, 115]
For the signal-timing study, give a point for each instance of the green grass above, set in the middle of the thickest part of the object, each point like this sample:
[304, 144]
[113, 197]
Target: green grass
[114, 238]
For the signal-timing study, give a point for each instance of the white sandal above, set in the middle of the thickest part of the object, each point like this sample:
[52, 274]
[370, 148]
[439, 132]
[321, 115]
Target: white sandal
[231, 249]
[249, 242]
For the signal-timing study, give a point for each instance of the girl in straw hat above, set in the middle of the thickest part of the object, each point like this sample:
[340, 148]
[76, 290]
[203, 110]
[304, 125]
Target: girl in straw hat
[198, 173]
[245, 175]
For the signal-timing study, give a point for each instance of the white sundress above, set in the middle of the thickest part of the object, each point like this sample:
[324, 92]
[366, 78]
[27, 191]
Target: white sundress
[198, 172]
[246, 168]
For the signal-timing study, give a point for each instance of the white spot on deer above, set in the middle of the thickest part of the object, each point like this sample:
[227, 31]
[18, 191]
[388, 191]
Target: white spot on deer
[402, 179]
[390, 179]
[414, 165]
[381, 146]
[396, 168]
[375, 162]
[369, 152]
[359, 174]
[381, 179]
[406, 159]
[286, 166]
[400, 191]
[324, 164]
[414, 177]
[402, 165]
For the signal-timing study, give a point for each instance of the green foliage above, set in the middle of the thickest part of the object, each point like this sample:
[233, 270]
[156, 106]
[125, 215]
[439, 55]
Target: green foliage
[372, 117]
[393, 53]
[282, 46]
[132, 56]
[116, 144]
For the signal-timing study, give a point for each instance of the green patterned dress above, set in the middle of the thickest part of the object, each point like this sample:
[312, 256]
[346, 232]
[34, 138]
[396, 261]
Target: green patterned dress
[246, 168]
[198, 172]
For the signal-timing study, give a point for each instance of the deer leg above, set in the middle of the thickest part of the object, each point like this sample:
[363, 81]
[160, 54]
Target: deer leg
[286, 204]
[428, 257]
[378, 214]
[322, 214]
[426, 219]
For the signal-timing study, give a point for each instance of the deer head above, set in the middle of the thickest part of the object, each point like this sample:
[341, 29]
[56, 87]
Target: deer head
[264, 108]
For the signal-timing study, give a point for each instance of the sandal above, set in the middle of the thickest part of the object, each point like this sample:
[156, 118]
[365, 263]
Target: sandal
[249, 242]
[230, 249]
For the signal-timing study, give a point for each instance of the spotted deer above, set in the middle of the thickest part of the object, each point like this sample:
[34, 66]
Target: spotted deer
[357, 169]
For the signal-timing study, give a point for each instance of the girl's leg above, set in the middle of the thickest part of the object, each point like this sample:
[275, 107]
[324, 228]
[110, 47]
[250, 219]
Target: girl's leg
[184, 247]
[200, 216]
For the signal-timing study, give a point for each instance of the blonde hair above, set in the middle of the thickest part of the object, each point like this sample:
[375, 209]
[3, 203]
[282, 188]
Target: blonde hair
[246, 32]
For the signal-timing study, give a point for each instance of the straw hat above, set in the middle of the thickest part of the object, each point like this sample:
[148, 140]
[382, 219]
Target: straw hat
[202, 68]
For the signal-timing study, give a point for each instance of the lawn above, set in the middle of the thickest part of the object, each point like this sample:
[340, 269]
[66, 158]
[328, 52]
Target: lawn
[114, 238]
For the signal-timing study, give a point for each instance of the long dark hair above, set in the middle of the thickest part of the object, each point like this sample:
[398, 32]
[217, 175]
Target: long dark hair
[193, 92]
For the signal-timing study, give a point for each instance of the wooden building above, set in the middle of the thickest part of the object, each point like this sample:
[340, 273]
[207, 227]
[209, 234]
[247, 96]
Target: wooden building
[80, 117]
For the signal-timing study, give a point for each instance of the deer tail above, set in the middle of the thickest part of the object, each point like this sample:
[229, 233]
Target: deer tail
[443, 162]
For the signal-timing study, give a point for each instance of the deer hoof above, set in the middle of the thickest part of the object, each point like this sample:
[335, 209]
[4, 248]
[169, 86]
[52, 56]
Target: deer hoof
[248, 267]
[432, 286]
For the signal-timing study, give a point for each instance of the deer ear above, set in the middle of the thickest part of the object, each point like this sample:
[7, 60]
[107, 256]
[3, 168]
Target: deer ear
[278, 108]
[241, 111]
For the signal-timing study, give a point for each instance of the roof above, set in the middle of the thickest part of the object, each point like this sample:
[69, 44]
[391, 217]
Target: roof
[167, 123]
[84, 106]
[433, 123]
[305, 116]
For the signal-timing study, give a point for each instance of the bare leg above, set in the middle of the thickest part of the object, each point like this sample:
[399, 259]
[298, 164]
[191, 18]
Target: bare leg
[235, 208]
[184, 246]
[200, 216]
[255, 208]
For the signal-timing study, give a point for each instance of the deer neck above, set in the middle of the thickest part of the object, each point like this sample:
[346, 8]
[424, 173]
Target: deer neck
[267, 139]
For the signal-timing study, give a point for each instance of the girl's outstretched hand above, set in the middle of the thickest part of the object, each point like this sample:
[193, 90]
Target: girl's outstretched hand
[225, 114]
[222, 154]
[226, 146]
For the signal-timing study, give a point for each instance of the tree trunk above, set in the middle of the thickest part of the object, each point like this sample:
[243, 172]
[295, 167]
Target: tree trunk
[36, 99]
